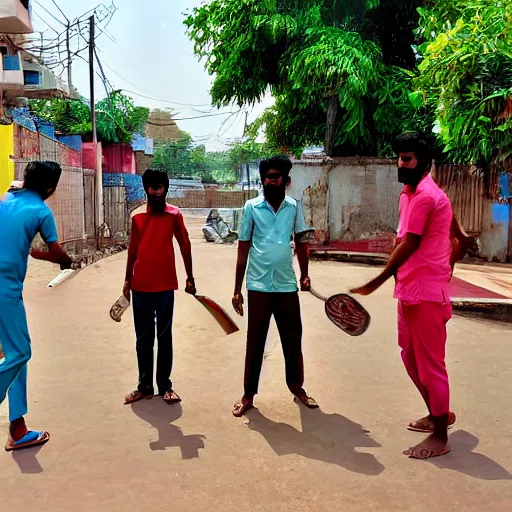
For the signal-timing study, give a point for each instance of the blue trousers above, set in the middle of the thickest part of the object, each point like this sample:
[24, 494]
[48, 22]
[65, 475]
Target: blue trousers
[15, 341]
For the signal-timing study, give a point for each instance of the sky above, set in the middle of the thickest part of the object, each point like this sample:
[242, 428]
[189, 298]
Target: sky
[152, 57]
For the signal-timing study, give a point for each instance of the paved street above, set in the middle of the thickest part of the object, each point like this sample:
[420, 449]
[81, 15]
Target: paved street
[104, 456]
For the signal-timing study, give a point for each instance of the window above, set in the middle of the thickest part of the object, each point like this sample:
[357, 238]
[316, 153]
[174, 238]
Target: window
[32, 78]
[12, 63]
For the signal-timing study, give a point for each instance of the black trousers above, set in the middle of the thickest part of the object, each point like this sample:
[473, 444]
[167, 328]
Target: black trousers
[146, 308]
[285, 308]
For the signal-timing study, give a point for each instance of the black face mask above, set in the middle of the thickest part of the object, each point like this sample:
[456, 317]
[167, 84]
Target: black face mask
[157, 204]
[274, 193]
[410, 177]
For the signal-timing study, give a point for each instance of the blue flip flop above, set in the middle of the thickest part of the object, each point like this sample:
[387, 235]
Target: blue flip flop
[29, 440]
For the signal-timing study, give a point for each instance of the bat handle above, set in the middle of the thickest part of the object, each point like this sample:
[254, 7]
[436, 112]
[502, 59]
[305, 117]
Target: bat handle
[317, 295]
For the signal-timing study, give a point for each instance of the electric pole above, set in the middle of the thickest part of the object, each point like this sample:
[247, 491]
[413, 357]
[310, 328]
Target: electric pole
[247, 158]
[68, 49]
[97, 161]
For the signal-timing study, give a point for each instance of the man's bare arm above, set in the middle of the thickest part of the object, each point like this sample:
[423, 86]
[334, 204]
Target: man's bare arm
[55, 254]
[460, 242]
[408, 246]
[241, 265]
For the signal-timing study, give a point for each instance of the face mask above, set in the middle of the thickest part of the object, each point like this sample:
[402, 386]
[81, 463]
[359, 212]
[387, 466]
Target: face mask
[274, 192]
[410, 177]
[157, 204]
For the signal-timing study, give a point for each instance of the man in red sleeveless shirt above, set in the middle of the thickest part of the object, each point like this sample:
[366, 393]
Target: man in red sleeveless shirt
[151, 279]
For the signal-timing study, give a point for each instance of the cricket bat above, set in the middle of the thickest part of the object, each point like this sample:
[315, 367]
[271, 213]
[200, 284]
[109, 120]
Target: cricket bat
[62, 276]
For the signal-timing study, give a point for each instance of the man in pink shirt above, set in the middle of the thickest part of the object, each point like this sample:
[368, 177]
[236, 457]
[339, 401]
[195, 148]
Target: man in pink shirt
[429, 242]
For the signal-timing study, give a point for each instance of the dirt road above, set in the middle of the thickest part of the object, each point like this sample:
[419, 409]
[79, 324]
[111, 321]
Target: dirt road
[104, 456]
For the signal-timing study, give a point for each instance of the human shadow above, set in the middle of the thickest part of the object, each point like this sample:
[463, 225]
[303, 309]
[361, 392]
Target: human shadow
[329, 438]
[160, 415]
[27, 460]
[463, 460]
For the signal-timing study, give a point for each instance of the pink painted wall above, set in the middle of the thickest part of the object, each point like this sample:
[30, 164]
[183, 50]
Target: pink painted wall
[119, 158]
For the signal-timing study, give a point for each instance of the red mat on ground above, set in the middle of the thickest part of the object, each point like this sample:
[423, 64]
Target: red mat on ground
[462, 289]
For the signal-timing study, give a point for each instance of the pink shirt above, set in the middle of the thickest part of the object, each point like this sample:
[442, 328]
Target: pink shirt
[426, 274]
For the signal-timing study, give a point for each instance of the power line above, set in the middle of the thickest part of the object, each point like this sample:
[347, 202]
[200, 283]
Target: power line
[190, 118]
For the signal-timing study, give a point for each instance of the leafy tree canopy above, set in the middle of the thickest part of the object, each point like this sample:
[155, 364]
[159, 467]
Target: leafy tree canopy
[466, 76]
[306, 51]
[118, 118]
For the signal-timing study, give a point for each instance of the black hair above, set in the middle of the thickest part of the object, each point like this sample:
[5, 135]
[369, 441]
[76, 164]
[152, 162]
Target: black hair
[42, 177]
[417, 143]
[155, 177]
[280, 162]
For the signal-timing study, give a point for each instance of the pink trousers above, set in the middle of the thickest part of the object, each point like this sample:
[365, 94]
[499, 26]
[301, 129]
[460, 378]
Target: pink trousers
[422, 338]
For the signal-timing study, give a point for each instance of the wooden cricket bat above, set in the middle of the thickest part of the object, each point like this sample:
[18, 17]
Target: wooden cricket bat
[62, 276]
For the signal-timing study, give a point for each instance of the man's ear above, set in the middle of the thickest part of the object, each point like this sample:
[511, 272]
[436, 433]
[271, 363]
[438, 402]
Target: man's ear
[289, 181]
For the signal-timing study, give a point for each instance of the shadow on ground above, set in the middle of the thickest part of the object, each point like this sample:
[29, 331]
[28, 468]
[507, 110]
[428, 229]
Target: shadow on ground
[160, 415]
[27, 460]
[329, 438]
[463, 459]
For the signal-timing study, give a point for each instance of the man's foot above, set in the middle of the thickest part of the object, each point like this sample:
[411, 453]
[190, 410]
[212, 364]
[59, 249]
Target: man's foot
[136, 396]
[432, 446]
[306, 400]
[170, 397]
[20, 437]
[426, 425]
[239, 409]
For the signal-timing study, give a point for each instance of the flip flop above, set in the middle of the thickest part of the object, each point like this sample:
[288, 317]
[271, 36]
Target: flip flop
[170, 397]
[306, 400]
[136, 396]
[29, 440]
[424, 453]
[240, 409]
[425, 425]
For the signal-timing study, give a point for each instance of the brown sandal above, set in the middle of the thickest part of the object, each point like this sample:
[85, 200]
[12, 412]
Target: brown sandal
[170, 397]
[306, 400]
[424, 453]
[240, 409]
[425, 425]
[136, 396]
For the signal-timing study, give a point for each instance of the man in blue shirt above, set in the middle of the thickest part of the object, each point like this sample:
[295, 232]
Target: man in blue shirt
[23, 214]
[269, 224]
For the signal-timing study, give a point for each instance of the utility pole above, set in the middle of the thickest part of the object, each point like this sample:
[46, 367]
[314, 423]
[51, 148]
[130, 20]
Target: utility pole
[247, 159]
[97, 161]
[68, 49]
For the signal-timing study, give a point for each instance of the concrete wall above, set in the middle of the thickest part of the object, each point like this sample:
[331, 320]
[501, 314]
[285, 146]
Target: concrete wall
[348, 199]
[494, 239]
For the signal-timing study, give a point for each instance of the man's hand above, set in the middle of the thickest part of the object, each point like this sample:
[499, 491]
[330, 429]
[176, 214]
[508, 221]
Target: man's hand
[191, 286]
[305, 284]
[126, 290]
[238, 303]
[367, 289]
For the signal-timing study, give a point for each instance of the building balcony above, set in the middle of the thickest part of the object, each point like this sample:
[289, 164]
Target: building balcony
[23, 75]
[15, 17]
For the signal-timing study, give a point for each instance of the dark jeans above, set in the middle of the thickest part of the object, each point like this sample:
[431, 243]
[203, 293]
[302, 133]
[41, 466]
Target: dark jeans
[147, 307]
[286, 310]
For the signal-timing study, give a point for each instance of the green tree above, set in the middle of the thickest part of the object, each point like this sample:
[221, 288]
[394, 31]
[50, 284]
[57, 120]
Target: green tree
[70, 117]
[331, 66]
[466, 77]
[118, 118]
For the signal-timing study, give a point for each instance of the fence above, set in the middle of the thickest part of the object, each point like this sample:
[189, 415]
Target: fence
[464, 185]
[67, 203]
[116, 212]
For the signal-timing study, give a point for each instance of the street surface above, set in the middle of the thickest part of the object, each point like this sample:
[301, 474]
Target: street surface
[104, 456]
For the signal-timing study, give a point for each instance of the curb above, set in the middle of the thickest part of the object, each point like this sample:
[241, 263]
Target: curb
[490, 309]
[349, 257]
